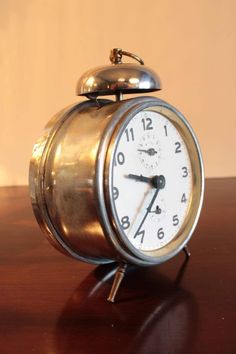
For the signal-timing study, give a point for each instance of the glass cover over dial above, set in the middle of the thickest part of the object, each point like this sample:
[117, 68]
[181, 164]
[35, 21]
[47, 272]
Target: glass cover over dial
[151, 181]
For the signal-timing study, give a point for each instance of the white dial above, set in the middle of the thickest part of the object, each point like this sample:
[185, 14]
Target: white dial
[151, 181]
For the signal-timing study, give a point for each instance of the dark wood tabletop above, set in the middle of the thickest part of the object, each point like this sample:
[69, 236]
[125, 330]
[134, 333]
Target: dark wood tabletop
[52, 304]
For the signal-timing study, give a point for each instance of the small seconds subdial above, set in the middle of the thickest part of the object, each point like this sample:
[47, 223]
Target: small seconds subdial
[149, 150]
[150, 199]
[158, 212]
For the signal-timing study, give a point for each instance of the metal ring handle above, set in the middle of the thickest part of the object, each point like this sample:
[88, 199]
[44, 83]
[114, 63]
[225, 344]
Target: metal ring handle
[117, 53]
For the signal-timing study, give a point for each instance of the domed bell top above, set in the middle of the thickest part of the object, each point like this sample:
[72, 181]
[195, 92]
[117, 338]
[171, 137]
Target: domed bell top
[118, 78]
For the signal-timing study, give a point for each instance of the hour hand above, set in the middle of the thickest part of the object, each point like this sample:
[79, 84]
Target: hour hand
[157, 182]
[139, 178]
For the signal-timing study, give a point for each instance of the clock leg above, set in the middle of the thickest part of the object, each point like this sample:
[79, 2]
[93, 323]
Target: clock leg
[117, 281]
[186, 251]
[181, 272]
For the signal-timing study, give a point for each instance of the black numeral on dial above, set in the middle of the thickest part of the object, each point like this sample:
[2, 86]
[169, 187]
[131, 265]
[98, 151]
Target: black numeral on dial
[160, 233]
[183, 199]
[115, 192]
[147, 124]
[175, 220]
[120, 159]
[125, 222]
[177, 147]
[185, 171]
[165, 127]
[129, 134]
[140, 233]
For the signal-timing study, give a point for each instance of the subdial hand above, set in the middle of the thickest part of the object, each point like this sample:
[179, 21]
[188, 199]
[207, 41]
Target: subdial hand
[157, 210]
[150, 151]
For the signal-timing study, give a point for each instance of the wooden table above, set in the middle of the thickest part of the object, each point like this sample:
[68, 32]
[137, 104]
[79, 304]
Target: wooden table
[52, 304]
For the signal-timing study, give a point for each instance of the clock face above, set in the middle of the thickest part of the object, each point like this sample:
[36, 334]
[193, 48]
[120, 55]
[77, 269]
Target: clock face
[151, 181]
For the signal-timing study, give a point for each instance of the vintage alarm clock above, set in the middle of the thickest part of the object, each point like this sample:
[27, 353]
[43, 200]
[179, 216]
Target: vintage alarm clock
[118, 180]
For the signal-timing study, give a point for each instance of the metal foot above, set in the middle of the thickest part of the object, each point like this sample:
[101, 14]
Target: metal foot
[186, 252]
[181, 270]
[117, 281]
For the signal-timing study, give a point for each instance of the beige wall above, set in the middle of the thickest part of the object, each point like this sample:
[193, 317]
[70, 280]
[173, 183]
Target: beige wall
[45, 45]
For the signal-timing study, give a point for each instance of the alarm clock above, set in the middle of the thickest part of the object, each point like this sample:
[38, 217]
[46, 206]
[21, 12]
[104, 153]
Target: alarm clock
[118, 180]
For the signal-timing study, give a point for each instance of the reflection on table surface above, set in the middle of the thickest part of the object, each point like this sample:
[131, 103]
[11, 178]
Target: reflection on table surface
[159, 316]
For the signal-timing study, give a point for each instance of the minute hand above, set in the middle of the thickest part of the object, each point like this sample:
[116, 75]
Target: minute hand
[160, 183]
